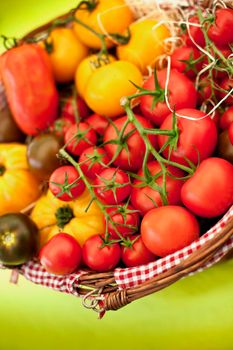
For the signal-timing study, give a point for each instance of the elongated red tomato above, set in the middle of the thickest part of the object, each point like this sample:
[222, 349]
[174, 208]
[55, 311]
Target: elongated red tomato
[30, 87]
[220, 32]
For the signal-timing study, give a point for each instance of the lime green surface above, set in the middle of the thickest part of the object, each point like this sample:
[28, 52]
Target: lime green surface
[195, 313]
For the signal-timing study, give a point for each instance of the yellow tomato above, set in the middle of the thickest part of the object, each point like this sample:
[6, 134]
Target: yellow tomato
[66, 54]
[109, 84]
[53, 216]
[111, 16]
[145, 45]
[86, 68]
[18, 187]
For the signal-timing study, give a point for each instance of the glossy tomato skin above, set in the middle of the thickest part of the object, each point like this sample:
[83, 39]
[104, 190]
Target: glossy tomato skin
[226, 84]
[209, 192]
[138, 254]
[68, 111]
[60, 127]
[186, 53]
[230, 132]
[168, 229]
[220, 32]
[196, 33]
[93, 160]
[98, 123]
[9, 131]
[194, 136]
[112, 176]
[79, 137]
[143, 198]
[182, 94]
[61, 255]
[226, 118]
[130, 158]
[100, 258]
[65, 176]
[126, 221]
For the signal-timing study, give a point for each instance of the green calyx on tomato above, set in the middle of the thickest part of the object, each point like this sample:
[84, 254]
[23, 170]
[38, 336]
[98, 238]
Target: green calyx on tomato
[2, 170]
[64, 215]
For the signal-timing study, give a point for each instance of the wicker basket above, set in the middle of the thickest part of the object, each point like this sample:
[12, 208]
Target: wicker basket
[115, 289]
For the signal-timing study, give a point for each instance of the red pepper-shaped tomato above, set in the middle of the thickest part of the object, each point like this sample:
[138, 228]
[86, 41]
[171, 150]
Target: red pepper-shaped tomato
[30, 87]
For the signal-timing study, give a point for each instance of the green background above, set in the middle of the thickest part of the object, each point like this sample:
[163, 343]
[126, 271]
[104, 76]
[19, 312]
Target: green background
[195, 313]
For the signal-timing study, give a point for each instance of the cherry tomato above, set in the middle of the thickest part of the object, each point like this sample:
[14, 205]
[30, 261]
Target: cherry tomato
[187, 60]
[60, 127]
[136, 253]
[132, 147]
[99, 256]
[204, 91]
[182, 94]
[79, 137]
[93, 160]
[227, 85]
[61, 255]
[197, 138]
[196, 33]
[230, 132]
[225, 147]
[209, 192]
[168, 229]
[126, 219]
[65, 183]
[98, 123]
[226, 118]
[220, 32]
[112, 186]
[145, 198]
[68, 111]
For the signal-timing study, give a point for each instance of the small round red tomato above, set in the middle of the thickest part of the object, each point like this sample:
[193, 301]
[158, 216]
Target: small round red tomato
[230, 132]
[197, 137]
[209, 192]
[136, 253]
[60, 126]
[181, 92]
[204, 91]
[93, 160]
[196, 33]
[75, 107]
[126, 221]
[133, 148]
[145, 198]
[65, 183]
[168, 229]
[112, 186]
[100, 256]
[79, 137]
[61, 255]
[98, 123]
[187, 60]
[227, 85]
[226, 118]
[220, 32]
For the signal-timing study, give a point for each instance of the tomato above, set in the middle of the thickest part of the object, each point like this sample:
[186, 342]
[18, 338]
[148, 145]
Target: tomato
[182, 94]
[87, 67]
[195, 32]
[42, 155]
[132, 148]
[104, 16]
[100, 257]
[98, 123]
[79, 137]
[60, 127]
[168, 229]
[227, 85]
[220, 32]
[136, 253]
[126, 221]
[197, 138]
[9, 131]
[31, 92]
[72, 107]
[230, 133]
[65, 52]
[204, 90]
[112, 186]
[146, 44]
[65, 183]
[93, 160]
[209, 192]
[115, 78]
[226, 118]
[19, 239]
[225, 146]
[61, 255]
[146, 197]
[184, 60]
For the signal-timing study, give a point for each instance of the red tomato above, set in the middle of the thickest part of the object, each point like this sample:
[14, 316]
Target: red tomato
[68, 111]
[79, 137]
[60, 126]
[133, 148]
[226, 84]
[195, 137]
[144, 198]
[61, 255]
[182, 94]
[209, 192]
[221, 31]
[98, 123]
[112, 186]
[204, 91]
[167, 229]
[190, 55]
[65, 183]
[93, 160]
[126, 219]
[100, 257]
[195, 32]
[230, 132]
[226, 118]
[136, 254]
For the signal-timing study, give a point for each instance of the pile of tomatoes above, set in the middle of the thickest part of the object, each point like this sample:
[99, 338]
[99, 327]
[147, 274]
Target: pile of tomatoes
[125, 162]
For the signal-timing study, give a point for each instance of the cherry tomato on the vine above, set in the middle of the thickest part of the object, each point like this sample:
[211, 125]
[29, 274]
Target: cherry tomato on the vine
[79, 137]
[226, 118]
[93, 160]
[136, 253]
[187, 60]
[227, 85]
[98, 123]
[220, 32]
[75, 107]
